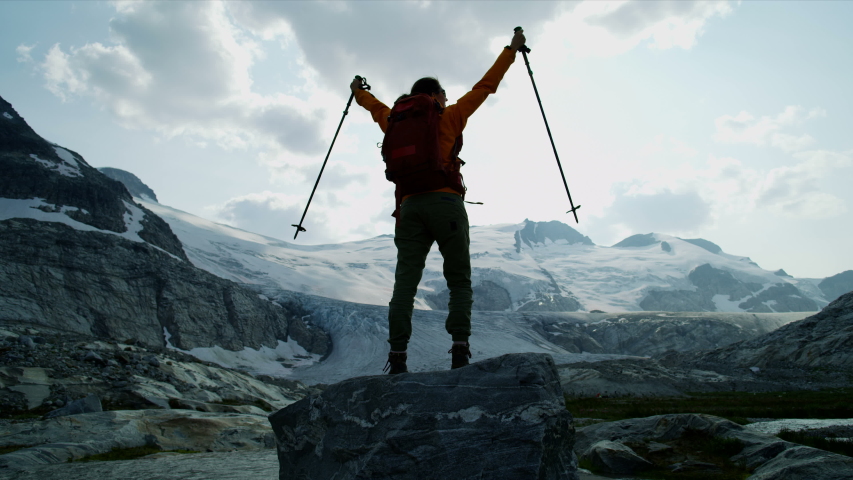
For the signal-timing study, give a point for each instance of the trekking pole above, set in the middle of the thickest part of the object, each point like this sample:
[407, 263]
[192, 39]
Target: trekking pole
[363, 86]
[524, 51]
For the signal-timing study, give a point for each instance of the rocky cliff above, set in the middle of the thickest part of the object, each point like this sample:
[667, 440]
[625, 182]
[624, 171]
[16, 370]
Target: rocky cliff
[57, 180]
[77, 254]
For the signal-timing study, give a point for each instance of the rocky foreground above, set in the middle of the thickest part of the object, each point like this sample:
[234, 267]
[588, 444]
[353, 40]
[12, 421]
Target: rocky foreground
[66, 397]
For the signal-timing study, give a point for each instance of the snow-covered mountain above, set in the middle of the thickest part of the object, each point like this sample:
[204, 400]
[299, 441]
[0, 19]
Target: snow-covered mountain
[530, 266]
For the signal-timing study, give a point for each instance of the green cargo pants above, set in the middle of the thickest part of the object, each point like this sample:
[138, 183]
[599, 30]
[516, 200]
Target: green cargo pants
[426, 218]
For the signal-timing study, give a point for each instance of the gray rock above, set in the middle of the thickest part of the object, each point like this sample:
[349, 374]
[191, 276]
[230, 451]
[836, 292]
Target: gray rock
[836, 285]
[242, 464]
[613, 457]
[804, 463]
[46, 266]
[770, 457]
[27, 341]
[94, 357]
[90, 404]
[500, 418]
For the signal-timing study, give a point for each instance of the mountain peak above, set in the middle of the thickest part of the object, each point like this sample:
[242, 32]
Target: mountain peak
[638, 240]
[133, 184]
[539, 232]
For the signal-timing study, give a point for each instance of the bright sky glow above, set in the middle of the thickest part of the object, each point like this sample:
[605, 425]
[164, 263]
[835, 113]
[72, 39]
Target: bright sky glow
[723, 120]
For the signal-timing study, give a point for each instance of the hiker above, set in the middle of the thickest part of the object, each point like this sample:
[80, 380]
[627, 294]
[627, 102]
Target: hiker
[430, 209]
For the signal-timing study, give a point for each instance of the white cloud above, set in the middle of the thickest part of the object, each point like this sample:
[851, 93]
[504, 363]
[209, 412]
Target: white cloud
[664, 211]
[607, 28]
[392, 43]
[183, 68]
[796, 191]
[745, 128]
[23, 52]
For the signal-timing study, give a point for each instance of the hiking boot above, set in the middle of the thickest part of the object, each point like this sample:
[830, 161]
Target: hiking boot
[461, 354]
[396, 363]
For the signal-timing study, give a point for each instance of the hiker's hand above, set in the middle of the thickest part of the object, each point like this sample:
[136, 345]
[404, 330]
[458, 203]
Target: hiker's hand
[356, 84]
[517, 40]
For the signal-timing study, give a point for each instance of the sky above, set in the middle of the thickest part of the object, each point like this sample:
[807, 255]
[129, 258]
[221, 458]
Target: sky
[722, 120]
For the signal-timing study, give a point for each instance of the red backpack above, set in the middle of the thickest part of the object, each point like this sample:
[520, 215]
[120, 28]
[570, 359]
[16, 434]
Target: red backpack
[411, 150]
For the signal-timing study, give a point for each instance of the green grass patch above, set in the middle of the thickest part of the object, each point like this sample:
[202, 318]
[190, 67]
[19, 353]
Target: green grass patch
[829, 444]
[735, 406]
[128, 454]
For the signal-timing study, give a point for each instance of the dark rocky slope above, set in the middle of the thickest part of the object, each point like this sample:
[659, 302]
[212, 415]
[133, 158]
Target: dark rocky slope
[821, 340]
[34, 168]
[103, 281]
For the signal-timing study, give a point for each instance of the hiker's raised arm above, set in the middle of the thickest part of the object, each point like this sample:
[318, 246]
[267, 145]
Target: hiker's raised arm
[458, 113]
[378, 110]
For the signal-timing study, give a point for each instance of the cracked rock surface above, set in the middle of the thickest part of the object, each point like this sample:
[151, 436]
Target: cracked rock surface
[504, 417]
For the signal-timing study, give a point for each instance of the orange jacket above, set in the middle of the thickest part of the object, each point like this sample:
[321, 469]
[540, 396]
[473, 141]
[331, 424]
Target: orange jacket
[455, 116]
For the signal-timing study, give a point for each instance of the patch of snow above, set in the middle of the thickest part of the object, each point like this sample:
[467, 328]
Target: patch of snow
[723, 304]
[7, 115]
[755, 369]
[64, 168]
[133, 217]
[66, 156]
[278, 362]
[32, 208]
[168, 337]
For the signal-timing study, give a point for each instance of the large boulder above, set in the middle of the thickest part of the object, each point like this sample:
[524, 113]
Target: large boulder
[504, 417]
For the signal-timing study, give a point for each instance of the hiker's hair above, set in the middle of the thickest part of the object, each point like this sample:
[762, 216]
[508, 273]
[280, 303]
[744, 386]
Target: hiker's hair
[427, 85]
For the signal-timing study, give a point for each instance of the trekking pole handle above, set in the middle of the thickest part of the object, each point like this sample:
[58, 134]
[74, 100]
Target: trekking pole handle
[522, 48]
[364, 85]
